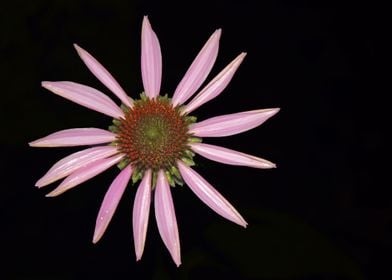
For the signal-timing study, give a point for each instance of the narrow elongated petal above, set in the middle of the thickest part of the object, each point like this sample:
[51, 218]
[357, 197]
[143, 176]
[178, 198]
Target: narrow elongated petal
[231, 124]
[75, 137]
[73, 162]
[85, 173]
[216, 86]
[141, 211]
[209, 195]
[166, 218]
[110, 202]
[86, 96]
[228, 156]
[103, 75]
[198, 71]
[151, 60]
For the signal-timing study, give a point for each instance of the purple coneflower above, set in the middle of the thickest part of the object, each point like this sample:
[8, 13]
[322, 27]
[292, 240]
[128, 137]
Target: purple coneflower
[152, 139]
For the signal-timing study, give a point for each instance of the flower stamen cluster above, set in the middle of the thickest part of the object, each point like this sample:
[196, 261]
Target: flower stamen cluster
[153, 135]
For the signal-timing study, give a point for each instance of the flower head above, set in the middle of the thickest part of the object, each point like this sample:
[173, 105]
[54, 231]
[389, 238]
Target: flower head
[153, 139]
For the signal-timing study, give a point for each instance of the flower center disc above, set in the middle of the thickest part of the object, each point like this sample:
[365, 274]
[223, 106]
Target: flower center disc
[153, 134]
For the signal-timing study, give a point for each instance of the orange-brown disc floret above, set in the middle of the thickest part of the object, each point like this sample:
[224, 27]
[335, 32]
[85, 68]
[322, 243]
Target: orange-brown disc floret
[153, 134]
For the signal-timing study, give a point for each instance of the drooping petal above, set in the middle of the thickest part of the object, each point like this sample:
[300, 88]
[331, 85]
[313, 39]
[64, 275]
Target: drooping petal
[86, 96]
[198, 71]
[216, 86]
[103, 75]
[141, 211]
[209, 195]
[228, 156]
[85, 173]
[73, 162]
[75, 137]
[166, 218]
[231, 124]
[110, 202]
[151, 60]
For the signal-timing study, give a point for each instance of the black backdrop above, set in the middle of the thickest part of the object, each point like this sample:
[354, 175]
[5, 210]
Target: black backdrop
[324, 213]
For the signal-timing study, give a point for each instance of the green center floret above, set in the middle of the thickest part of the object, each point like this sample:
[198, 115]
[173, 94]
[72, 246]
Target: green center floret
[154, 132]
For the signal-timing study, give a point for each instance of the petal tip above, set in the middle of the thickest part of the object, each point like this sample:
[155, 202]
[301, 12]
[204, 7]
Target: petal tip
[79, 50]
[267, 165]
[216, 35]
[51, 194]
[47, 84]
[98, 233]
[39, 184]
[33, 144]
[76, 46]
[239, 220]
[273, 111]
[177, 258]
[59, 190]
[238, 60]
[242, 222]
[96, 238]
[269, 112]
[146, 21]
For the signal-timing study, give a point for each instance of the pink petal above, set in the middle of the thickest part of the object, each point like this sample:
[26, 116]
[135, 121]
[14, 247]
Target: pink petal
[75, 137]
[86, 96]
[85, 173]
[103, 75]
[166, 218]
[73, 162]
[141, 211]
[209, 195]
[228, 156]
[110, 202]
[231, 124]
[216, 86]
[198, 71]
[151, 60]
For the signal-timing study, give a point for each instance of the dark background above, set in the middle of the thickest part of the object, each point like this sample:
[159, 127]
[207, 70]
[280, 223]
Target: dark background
[324, 213]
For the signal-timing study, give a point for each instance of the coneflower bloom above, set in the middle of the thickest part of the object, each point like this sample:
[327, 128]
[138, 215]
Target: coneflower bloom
[152, 139]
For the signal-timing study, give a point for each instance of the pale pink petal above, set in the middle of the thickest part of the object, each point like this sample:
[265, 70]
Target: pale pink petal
[151, 60]
[166, 218]
[231, 124]
[86, 96]
[141, 211]
[103, 75]
[228, 156]
[216, 86]
[75, 137]
[110, 202]
[198, 71]
[85, 173]
[73, 162]
[209, 195]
